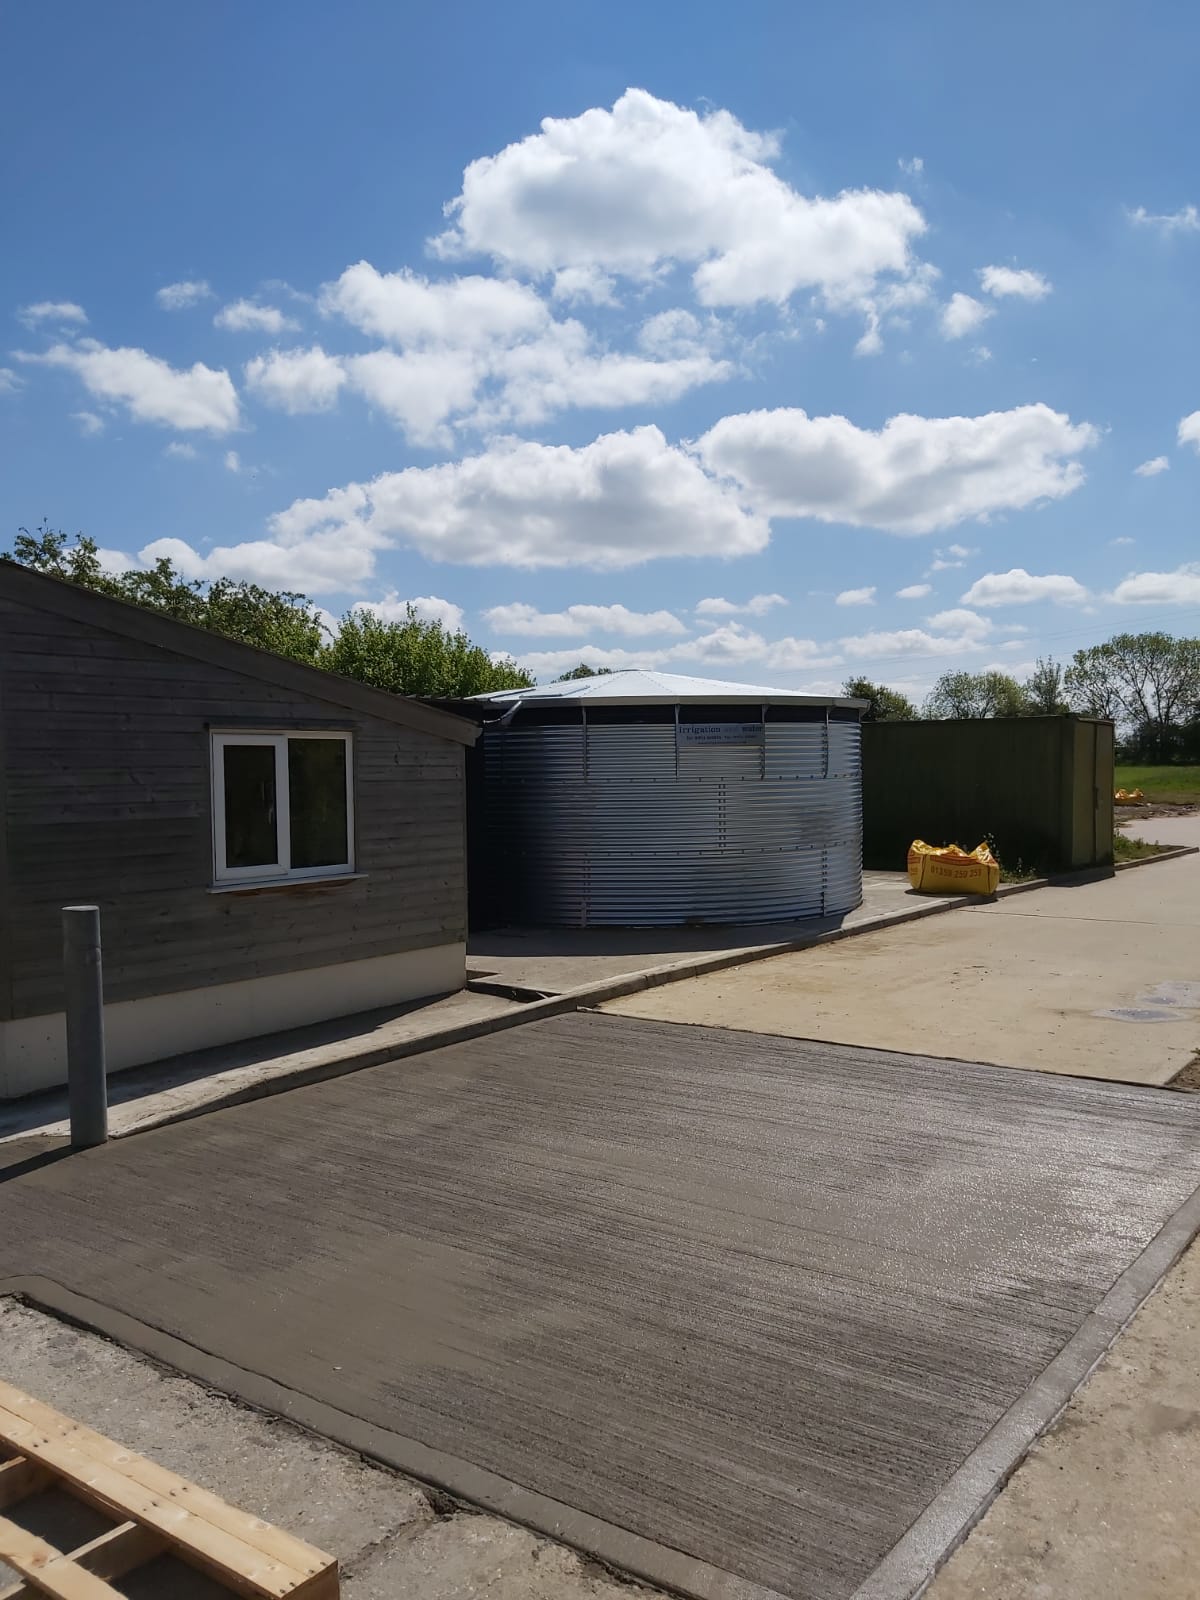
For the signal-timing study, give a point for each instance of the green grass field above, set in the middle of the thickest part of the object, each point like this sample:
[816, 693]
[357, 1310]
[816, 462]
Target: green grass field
[1167, 785]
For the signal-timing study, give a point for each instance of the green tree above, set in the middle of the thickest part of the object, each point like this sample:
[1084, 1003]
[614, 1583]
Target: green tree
[975, 694]
[1148, 683]
[417, 657]
[584, 671]
[886, 705]
[284, 622]
[1044, 691]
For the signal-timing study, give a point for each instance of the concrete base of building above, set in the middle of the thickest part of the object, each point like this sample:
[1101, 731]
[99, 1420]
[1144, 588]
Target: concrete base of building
[33, 1050]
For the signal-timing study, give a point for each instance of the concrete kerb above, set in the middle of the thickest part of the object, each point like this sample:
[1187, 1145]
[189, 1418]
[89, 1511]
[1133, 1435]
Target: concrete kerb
[588, 995]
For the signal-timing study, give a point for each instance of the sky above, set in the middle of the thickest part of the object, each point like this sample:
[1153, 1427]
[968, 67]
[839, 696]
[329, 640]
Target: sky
[772, 342]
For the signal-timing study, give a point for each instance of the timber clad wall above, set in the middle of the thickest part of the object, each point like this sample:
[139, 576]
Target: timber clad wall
[104, 750]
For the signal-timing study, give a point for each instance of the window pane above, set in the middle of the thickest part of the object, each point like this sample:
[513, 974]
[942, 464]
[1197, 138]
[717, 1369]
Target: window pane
[317, 785]
[250, 836]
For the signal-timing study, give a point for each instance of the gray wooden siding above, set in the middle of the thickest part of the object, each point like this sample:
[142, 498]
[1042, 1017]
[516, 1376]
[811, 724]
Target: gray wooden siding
[107, 799]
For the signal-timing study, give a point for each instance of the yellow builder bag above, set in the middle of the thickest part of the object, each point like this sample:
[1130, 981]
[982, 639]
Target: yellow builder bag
[951, 870]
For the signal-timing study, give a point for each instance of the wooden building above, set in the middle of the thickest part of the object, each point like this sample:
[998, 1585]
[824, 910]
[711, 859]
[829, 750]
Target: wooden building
[269, 844]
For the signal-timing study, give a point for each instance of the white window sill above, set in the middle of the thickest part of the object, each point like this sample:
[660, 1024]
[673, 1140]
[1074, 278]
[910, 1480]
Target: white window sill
[250, 885]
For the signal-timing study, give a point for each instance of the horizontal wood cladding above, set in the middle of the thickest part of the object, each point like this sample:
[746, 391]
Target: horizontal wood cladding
[106, 798]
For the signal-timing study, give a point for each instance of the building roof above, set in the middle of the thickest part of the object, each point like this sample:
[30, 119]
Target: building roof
[55, 595]
[640, 687]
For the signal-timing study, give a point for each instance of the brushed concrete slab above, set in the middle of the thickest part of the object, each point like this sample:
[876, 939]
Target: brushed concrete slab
[1084, 980]
[732, 1311]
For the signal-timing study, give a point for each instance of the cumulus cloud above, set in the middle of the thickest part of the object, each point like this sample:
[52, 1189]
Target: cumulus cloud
[856, 597]
[1018, 282]
[1178, 588]
[178, 450]
[245, 316]
[575, 621]
[622, 500]
[1189, 431]
[1185, 220]
[966, 624]
[953, 556]
[962, 315]
[418, 390]
[296, 381]
[757, 606]
[90, 425]
[1018, 588]
[323, 564]
[914, 591]
[195, 398]
[179, 296]
[409, 310]
[884, 646]
[635, 190]
[51, 311]
[428, 607]
[1152, 468]
[1123, 539]
[913, 476]
[584, 286]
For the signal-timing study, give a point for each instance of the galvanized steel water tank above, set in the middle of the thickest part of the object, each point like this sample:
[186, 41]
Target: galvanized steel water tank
[645, 799]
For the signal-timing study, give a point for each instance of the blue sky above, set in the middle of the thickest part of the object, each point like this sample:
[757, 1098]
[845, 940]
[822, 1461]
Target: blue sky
[684, 335]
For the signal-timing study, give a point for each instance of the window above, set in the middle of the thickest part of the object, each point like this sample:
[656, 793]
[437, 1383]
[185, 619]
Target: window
[283, 806]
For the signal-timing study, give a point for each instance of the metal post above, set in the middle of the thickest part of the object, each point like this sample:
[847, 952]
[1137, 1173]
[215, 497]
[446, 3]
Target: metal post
[83, 980]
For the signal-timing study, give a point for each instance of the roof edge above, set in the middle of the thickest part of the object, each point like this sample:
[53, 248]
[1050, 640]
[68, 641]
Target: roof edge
[41, 592]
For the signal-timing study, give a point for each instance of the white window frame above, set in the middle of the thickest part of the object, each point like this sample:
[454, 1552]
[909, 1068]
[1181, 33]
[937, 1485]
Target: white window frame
[282, 869]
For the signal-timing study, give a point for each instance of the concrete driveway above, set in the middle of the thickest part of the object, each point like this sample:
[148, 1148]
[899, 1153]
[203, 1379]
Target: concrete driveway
[745, 1316]
[1100, 980]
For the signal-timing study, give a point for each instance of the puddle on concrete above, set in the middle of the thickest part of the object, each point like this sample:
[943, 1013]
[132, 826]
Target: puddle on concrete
[1174, 993]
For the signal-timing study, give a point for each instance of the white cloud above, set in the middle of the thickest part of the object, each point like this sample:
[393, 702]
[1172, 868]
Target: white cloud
[966, 624]
[575, 621]
[856, 597]
[196, 398]
[417, 391]
[429, 607]
[1124, 539]
[1152, 468]
[51, 311]
[232, 461]
[584, 286]
[913, 476]
[624, 499]
[729, 648]
[632, 191]
[914, 591]
[180, 451]
[179, 296]
[914, 166]
[324, 564]
[1185, 220]
[961, 315]
[884, 646]
[409, 310]
[757, 606]
[1178, 588]
[1189, 430]
[244, 316]
[1018, 587]
[1006, 282]
[954, 556]
[90, 425]
[10, 381]
[296, 381]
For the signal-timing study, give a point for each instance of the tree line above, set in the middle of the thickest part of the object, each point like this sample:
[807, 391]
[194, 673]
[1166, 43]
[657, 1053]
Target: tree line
[1147, 683]
[411, 656]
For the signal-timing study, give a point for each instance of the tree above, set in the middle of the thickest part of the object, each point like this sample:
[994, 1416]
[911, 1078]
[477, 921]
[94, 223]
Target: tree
[284, 622]
[417, 657]
[886, 705]
[975, 694]
[1148, 683]
[1044, 694]
[584, 671]
[409, 657]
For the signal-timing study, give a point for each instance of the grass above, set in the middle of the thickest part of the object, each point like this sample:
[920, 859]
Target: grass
[1126, 849]
[1179, 786]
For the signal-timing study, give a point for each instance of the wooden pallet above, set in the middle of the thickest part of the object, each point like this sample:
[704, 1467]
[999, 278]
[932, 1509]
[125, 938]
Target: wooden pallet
[153, 1513]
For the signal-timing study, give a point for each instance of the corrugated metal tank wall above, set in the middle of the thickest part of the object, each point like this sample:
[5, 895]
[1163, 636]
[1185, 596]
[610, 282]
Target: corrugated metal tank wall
[653, 824]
